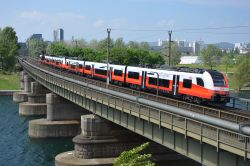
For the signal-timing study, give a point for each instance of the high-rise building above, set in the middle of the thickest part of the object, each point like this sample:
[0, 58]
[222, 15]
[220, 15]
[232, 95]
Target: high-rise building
[35, 36]
[196, 48]
[58, 34]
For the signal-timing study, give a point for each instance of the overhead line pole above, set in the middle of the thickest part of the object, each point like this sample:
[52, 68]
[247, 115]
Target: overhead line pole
[108, 51]
[169, 47]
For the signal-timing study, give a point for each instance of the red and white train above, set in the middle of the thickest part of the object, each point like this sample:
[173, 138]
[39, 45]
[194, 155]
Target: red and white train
[194, 85]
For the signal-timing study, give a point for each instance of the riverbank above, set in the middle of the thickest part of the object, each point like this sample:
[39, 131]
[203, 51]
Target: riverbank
[9, 81]
[8, 92]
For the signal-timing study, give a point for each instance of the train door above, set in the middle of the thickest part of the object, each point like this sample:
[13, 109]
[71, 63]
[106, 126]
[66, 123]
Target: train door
[92, 70]
[143, 84]
[110, 71]
[175, 85]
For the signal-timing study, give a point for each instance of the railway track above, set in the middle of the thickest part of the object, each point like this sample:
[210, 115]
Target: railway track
[225, 113]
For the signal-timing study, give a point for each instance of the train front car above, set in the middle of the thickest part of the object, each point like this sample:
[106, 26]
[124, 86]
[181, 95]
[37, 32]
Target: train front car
[217, 84]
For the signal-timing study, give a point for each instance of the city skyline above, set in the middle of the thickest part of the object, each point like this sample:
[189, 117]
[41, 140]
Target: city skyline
[138, 20]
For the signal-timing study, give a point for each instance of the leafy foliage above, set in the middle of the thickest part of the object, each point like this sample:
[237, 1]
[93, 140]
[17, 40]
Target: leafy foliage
[36, 46]
[211, 56]
[242, 73]
[58, 48]
[227, 60]
[132, 54]
[175, 55]
[134, 158]
[8, 48]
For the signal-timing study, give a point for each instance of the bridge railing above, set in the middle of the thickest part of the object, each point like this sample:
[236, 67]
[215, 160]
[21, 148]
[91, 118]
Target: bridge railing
[220, 138]
[240, 103]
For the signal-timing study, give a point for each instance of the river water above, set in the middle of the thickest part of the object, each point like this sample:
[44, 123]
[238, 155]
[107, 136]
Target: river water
[16, 148]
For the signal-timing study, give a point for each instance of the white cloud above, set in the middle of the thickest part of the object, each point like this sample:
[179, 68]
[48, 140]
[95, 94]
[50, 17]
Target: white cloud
[33, 15]
[99, 23]
[166, 23]
[118, 23]
[46, 22]
[41, 18]
[234, 3]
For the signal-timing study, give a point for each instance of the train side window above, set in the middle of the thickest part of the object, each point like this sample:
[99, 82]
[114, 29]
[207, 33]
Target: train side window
[200, 82]
[118, 72]
[164, 83]
[67, 63]
[152, 81]
[133, 75]
[187, 83]
[80, 66]
[102, 72]
[72, 66]
[87, 67]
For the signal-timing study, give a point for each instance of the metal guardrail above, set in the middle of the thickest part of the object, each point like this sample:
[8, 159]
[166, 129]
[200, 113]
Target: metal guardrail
[215, 136]
[237, 117]
[240, 103]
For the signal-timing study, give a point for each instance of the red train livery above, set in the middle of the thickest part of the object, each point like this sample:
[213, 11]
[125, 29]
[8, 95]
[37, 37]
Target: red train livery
[194, 85]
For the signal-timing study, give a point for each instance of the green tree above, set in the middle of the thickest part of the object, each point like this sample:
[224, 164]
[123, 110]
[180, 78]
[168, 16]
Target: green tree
[227, 60]
[93, 44]
[211, 56]
[8, 48]
[58, 48]
[134, 158]
[119, 55]
[175, 54]
[132, 44]
[144, 45]
[242, 73]
[155, 58]
[36, 46]
[119, 43]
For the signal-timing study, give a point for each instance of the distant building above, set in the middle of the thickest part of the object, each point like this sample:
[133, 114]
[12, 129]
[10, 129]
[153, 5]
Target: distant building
[196, 48]
[190, 60]
[35, 36]
[242, 47]
[190, 47]
[58, 35]
[159, 42]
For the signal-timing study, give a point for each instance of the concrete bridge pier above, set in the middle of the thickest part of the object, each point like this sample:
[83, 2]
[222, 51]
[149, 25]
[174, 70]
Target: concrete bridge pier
[22, 73]
[101, 141]
[63, 119]
[36, 104]
[23, 95]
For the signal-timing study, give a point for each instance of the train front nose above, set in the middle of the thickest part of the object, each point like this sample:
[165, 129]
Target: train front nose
[221, 96]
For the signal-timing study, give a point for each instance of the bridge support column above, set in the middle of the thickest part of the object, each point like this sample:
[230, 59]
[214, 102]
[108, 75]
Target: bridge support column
[63, 119]
[36, 105]
[23, 95]
[22, 73]
[101, 141]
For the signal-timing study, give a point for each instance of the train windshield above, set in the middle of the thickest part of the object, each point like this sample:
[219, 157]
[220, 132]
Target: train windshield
[218, 78]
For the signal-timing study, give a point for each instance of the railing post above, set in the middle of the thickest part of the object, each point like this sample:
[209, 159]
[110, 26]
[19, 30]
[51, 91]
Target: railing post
[218, 137]
[159, 119]
[233, 102]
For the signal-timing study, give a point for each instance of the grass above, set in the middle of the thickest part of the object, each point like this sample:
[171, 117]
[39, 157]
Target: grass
[9, 81]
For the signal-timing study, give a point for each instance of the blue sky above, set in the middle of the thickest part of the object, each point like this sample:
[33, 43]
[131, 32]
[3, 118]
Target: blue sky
[139, 20]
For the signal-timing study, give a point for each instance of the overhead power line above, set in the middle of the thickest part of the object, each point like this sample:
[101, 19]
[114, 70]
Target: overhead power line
[96, 33]
[184, 29]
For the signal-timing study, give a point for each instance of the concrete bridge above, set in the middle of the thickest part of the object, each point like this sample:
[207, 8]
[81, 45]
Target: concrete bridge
[206, 135]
